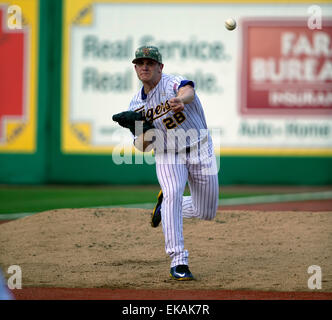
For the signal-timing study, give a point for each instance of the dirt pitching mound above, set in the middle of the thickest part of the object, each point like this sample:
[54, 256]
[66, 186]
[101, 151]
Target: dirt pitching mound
[117, 248]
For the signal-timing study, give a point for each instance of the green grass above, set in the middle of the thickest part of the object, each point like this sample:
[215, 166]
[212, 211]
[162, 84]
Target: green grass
[16, 199]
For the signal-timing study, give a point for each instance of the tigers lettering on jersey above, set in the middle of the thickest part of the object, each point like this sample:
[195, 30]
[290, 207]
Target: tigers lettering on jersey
[155, 112]
[160, 110]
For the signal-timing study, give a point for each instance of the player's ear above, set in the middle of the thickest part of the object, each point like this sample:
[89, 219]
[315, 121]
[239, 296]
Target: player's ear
[161, 67]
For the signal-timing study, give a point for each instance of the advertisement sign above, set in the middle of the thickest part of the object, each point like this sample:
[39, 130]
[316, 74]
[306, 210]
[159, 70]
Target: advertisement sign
[290, 72]
[265, 87]
[18, 65]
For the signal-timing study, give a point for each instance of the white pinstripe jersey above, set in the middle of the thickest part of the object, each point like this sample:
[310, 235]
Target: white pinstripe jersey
[155, 107]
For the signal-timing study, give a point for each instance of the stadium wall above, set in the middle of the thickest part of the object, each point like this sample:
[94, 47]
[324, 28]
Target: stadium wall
[43, 146]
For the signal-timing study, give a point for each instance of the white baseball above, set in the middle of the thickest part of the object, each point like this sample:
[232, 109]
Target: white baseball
[230, 24]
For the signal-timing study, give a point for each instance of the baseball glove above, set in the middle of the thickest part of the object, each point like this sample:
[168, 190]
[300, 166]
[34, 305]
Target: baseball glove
[127, 119]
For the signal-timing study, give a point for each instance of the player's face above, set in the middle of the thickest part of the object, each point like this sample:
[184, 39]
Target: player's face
[148, 71]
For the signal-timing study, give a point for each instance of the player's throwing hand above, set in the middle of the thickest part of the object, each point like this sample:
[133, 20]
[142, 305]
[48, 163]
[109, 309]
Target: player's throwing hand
[176, 104]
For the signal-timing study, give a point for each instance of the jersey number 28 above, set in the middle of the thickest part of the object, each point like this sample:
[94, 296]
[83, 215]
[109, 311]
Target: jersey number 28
[172, 122]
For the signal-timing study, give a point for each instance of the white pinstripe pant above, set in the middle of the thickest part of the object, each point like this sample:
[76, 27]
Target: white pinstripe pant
[202, 203]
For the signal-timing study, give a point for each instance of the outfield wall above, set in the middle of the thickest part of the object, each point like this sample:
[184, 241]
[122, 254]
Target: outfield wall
[266, 87]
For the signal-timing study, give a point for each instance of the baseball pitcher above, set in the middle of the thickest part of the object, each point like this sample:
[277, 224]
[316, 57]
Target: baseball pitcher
[166, 115]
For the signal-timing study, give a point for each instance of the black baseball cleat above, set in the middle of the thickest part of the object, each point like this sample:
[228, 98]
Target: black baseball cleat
[156, 214]
[181, 272]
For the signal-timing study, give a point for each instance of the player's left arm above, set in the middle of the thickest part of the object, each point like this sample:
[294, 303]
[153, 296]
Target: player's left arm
[185, 95]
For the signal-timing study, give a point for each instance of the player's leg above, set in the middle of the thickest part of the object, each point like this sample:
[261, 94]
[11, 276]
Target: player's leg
[172, 179]
[204, 190]
[203, 202]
